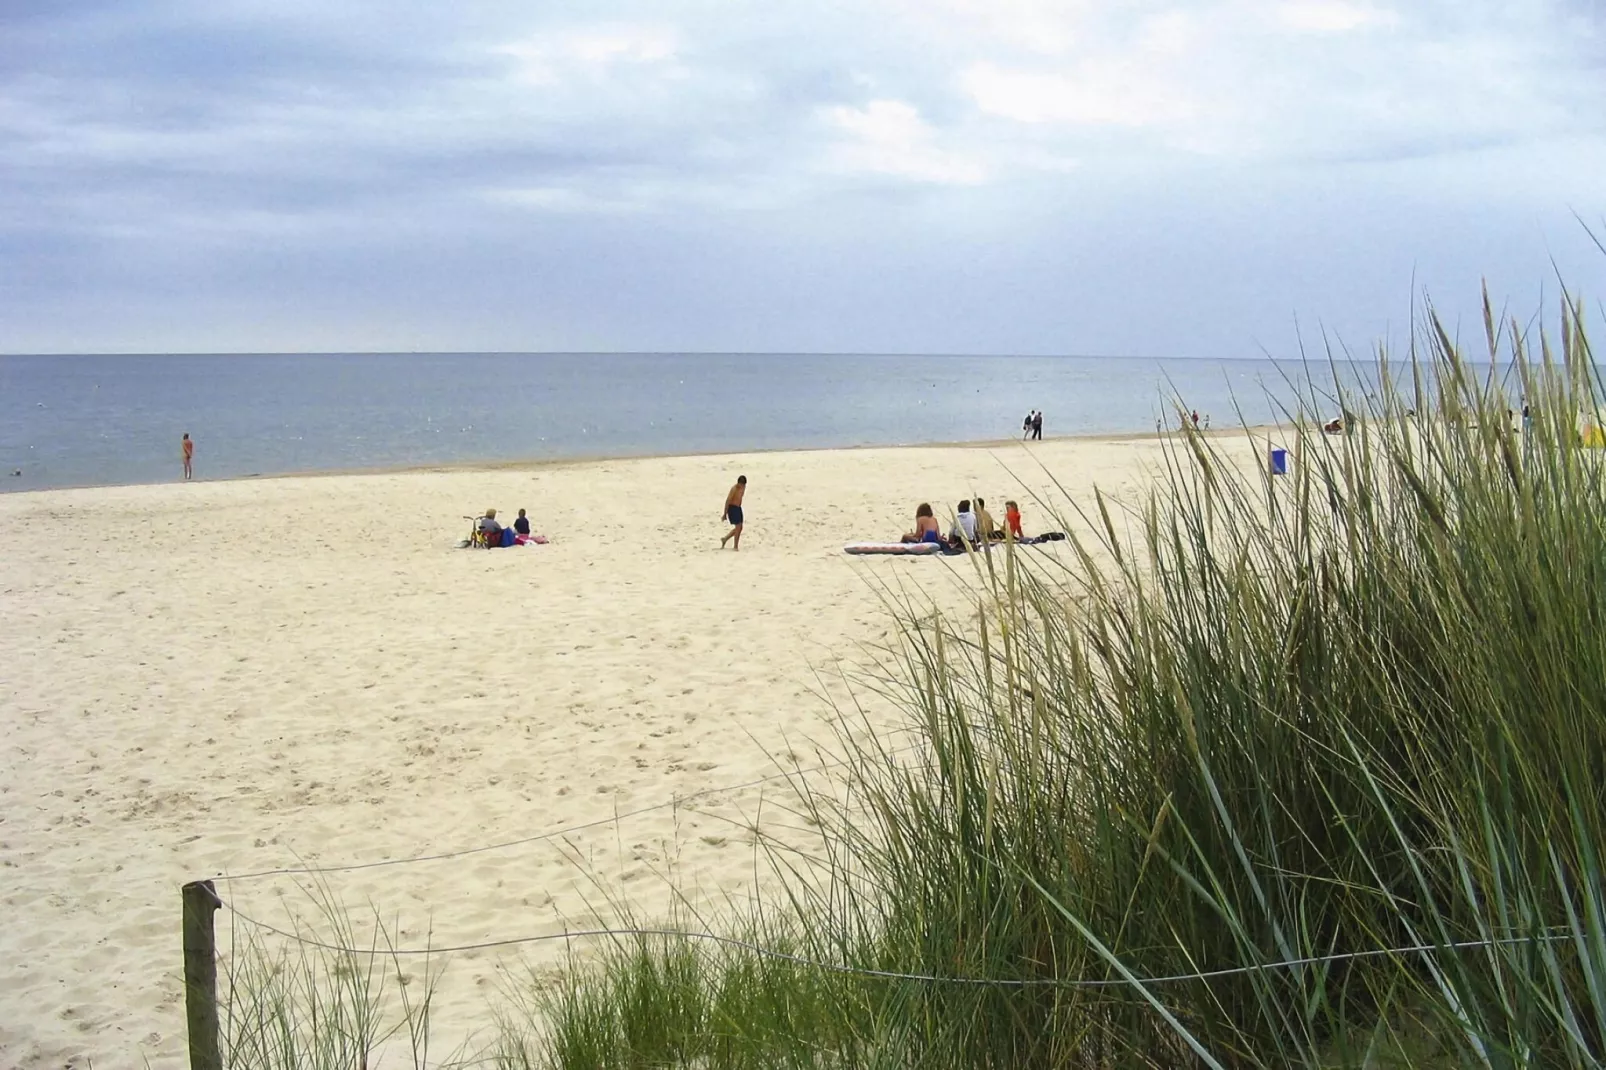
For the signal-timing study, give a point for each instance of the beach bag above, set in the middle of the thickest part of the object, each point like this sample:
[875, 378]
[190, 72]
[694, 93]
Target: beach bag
[508, 535]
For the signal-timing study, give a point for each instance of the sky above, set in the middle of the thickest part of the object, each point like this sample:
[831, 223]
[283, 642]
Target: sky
[1217, 178]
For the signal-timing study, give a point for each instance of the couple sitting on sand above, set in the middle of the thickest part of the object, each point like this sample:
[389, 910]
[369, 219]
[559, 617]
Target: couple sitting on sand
[488, 532]
[970, 528]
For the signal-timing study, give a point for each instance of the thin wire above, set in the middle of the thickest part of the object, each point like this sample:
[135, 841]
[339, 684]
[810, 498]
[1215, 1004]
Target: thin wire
[675, 801]
[832, 967]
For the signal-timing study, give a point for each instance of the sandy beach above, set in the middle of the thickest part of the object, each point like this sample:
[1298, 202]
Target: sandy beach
[220, 678]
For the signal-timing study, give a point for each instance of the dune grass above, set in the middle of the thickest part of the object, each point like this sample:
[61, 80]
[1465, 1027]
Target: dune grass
[303, 1005]
[1273, 725]
[1270, 771]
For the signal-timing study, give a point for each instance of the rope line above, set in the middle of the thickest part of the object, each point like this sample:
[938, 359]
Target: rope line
[441, 856]
[893, 975]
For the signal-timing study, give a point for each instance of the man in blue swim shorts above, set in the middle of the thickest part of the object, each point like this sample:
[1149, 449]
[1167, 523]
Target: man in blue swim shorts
[733, 514]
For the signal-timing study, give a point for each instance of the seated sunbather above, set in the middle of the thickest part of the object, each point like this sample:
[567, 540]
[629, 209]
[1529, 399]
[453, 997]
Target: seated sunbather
[926, 529]
[490, 531]
[964, 530]
[985, 527]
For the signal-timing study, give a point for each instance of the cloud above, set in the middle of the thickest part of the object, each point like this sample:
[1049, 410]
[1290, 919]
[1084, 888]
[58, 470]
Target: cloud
[1286, 81]
[1109, 94]
[1332, 16]
[241, 144]
[593, 54]
[888, 137]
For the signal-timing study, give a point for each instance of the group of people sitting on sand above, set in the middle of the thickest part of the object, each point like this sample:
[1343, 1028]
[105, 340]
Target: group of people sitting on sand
[489, 532]
[972, 527]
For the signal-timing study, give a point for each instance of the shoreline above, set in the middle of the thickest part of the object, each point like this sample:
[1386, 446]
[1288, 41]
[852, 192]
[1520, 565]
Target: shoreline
[534, 464]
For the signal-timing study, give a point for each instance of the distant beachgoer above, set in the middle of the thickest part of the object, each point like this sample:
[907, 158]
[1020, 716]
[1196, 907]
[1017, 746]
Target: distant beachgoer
[1195, 419]
[187, 446]
[985, 528]
[926, 529]
[1037, 424]
[1012, 518]
[1026, 424]
[490, 531]
[964, 529]
[1207, 421]
[733, 514]
[522, 524]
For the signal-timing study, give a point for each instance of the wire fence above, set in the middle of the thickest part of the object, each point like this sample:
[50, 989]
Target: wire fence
[894, 975]
[570, 935]
[678, 800]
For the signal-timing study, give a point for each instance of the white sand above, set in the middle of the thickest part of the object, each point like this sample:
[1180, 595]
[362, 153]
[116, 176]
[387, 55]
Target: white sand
[221, 677]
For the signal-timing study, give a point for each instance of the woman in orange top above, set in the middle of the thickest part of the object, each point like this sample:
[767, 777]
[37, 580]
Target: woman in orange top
[1012, 518]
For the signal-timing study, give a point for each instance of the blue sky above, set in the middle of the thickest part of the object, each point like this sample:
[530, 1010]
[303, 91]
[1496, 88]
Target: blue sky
[981, 176]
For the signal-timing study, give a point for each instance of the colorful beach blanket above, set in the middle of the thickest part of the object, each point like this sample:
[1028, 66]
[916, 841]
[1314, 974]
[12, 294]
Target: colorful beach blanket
[916, 549]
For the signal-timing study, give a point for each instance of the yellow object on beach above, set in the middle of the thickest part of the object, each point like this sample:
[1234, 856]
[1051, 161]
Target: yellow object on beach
[1593, 437]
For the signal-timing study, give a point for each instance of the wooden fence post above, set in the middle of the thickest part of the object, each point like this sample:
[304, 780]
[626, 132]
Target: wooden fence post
[200, 975]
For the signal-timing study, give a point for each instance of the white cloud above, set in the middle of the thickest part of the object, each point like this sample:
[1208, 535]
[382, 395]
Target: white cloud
[1040, 27]
[888, 137]
[1282, 80]
[1104, 93]
[564, 200]
[1332, 16]
[592, 52]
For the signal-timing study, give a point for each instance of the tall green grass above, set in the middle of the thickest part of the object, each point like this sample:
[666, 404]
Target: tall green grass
[338, 998]
[1258, 720]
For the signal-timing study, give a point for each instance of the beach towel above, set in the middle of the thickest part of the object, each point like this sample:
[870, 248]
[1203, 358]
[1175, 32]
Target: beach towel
[915, 549]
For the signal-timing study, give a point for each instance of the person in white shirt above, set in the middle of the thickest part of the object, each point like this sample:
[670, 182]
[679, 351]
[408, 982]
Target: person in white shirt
[964, 529]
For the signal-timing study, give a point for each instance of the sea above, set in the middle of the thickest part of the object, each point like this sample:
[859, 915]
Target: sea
[69, 421]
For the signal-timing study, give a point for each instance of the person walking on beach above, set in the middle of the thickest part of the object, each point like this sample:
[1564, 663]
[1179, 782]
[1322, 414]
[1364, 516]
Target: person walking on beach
[733, 514]
[1037, 425]
[1026, 424]
[187, 447]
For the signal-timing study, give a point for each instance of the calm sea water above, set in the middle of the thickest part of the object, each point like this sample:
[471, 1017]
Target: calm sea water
[77, 420]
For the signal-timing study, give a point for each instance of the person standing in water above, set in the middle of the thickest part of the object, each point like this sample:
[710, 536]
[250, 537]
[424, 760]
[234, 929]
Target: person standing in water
[733, 514]
[187, 447]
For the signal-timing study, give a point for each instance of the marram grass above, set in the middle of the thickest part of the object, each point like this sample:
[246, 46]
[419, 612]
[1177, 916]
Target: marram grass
[1258, 720]
[1335, 740]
